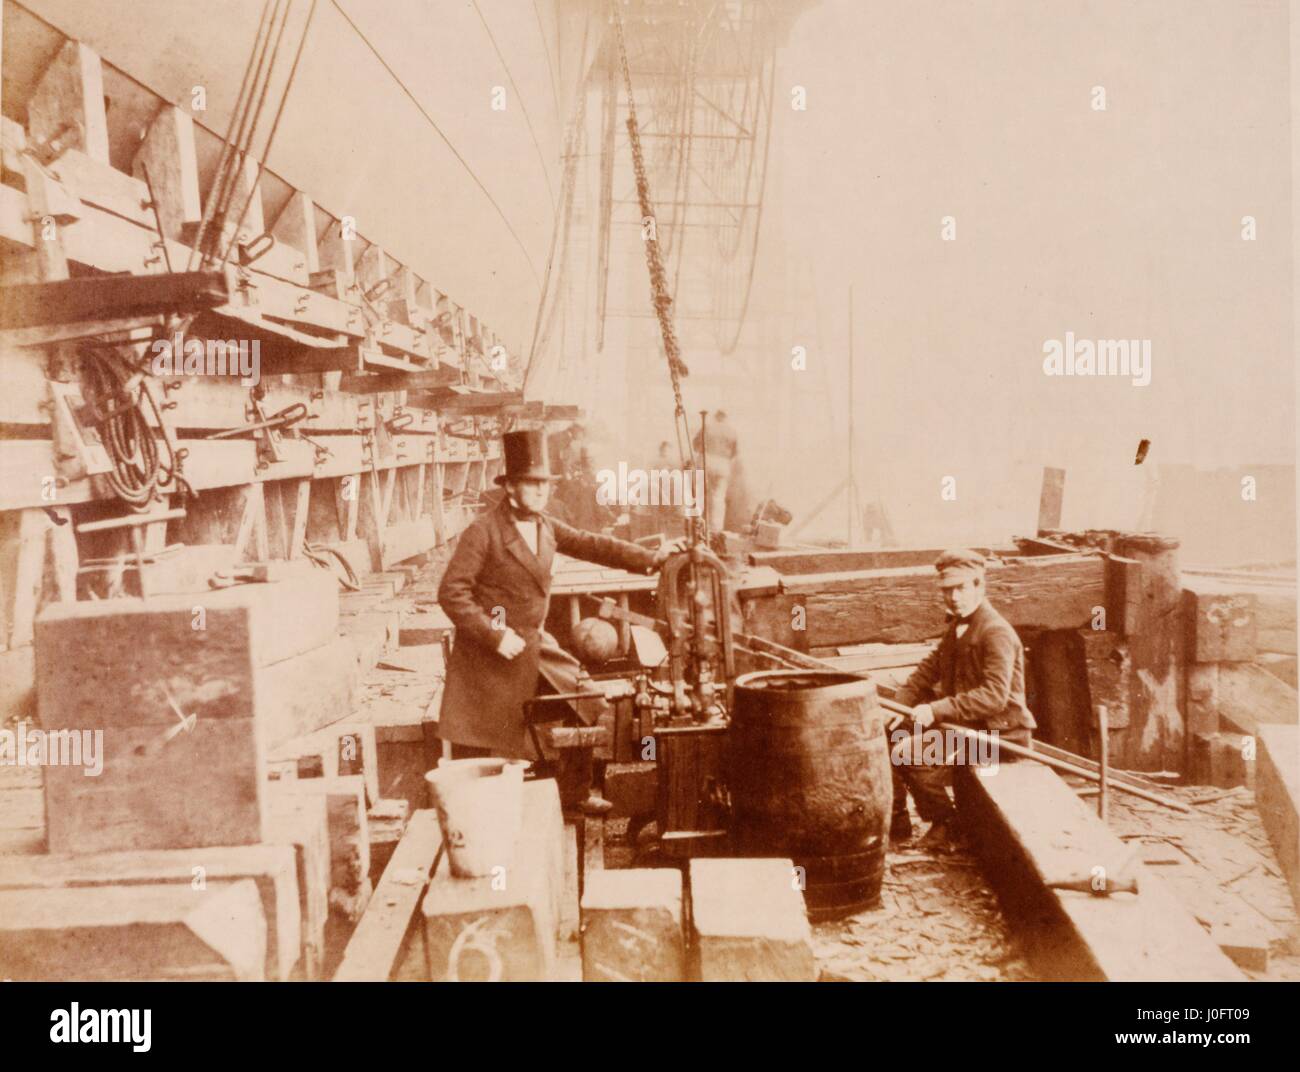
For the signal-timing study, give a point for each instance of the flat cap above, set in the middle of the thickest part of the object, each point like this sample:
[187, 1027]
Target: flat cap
[959, 565]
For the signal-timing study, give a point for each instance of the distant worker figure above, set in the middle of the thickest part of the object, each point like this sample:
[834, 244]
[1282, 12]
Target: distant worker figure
[720, 447]
[975, 679]
[575, 456]
[574, 501]
[497, 590]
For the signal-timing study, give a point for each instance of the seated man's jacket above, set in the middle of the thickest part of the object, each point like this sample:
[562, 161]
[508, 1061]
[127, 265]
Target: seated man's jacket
[975, 680]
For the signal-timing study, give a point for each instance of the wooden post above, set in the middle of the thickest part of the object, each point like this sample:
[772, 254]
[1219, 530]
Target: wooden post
[372, 267]
[1155, 740]
[296, 227]
[253, 223]
[298, 535]
[38, 542]
[1050, 500]
[68, 103]
[1103, 760]
[167, 152]
[252, 524]
[51, 260]
[435, 493]
[336, 251]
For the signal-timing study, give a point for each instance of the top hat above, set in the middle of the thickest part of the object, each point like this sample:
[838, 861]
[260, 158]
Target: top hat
[526, 456]
[957, 566]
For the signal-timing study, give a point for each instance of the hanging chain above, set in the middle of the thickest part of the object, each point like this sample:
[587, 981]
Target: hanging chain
[659, 296]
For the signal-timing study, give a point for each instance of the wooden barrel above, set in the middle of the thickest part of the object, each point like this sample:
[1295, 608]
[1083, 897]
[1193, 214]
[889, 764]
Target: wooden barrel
[808, 771]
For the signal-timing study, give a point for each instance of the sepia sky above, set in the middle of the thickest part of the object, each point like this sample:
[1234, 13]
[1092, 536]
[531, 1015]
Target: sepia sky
[1124, 223]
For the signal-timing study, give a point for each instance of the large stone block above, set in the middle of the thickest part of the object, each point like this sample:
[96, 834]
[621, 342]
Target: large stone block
[186, 691]
[271, 868]
[749, 922]
[632, 926]
[202, 787]
[1221, 624]
[147, 932]
[301, 694]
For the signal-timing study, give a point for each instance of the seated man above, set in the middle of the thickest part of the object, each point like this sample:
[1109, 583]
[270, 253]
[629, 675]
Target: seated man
[975, 679]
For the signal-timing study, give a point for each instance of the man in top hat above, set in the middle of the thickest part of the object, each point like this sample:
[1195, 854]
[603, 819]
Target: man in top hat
[975, 679]
[496, 591]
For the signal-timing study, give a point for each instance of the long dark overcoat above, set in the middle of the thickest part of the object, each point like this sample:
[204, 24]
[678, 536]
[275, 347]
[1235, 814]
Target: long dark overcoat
[494, 581]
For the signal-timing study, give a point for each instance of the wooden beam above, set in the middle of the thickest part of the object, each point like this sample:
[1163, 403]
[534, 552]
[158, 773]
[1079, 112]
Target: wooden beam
[282, 350]
[406, 539]
[447, 400]
[103, 297]
[1040, 847]
[816, 561]
[347, 499]
[350, 888]
[1249, 697]
[418, 508]
[386, 944]
[1221, 625]
[98, 183]
[37, 545]
[898, 606]
[418, 380]
[112, 244]
[1277, 791]
[369, 511]
[386, 504]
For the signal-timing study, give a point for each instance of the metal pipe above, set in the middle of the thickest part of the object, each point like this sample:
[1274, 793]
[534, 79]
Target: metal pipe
[1048, 761]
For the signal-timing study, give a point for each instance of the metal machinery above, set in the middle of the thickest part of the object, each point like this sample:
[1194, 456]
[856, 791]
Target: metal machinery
[660, 715]
[687, 721]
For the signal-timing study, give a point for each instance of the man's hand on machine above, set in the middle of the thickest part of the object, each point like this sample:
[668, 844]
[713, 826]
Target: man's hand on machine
[666, 550]
[511, 644]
